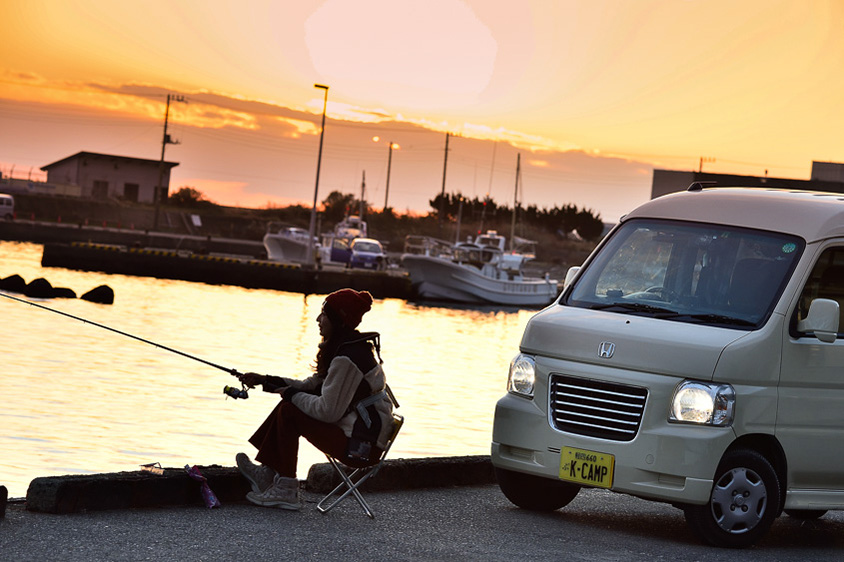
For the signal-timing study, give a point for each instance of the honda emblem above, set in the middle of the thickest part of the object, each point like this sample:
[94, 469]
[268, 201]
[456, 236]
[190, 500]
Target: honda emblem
[606, 349]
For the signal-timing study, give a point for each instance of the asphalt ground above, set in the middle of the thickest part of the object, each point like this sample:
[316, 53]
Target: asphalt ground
[452, 523]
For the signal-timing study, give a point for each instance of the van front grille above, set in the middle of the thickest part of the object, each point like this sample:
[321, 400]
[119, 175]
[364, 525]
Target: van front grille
[596, 408]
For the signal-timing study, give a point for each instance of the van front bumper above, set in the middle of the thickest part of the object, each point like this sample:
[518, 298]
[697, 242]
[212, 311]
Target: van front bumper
[666, 462]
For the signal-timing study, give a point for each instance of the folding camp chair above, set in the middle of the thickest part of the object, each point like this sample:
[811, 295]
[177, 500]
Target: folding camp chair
[352, 482]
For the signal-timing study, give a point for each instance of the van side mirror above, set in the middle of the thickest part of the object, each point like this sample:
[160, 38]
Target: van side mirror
[822, 320]
[570, 275]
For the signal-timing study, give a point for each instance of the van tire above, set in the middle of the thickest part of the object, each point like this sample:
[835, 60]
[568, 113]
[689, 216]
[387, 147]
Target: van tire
[743, 504]
[535, 492]
[805, 514]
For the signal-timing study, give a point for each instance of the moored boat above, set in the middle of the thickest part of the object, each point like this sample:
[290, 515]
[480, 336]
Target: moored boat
[479, 272]
[287, 244]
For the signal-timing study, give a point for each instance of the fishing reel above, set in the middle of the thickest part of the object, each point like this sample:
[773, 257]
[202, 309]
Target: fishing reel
[235, 392]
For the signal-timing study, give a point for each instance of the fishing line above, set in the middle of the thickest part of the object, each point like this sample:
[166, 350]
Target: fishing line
[122, 333]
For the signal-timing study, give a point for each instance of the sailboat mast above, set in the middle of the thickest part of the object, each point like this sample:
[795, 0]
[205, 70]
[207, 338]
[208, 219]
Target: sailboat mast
[515, 202]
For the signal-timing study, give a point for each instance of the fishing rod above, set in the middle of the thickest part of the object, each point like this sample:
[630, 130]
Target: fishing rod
[229, 390]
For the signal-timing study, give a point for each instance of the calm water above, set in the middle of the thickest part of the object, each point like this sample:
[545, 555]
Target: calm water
[78, 399]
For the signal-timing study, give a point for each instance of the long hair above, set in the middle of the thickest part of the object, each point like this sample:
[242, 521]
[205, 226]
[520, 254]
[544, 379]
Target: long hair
[328, 348]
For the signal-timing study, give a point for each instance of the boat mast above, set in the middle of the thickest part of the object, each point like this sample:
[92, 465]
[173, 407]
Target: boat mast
[515, 202]
[489, 189]
[442, 193]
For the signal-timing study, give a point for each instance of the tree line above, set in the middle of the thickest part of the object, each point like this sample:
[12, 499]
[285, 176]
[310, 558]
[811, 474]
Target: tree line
[454, 206]
[563, 220]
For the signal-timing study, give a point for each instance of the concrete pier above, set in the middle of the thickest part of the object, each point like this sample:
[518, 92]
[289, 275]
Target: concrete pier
[223, 270]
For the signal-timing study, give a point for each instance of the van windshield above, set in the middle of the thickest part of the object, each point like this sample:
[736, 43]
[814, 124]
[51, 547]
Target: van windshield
[689, 272]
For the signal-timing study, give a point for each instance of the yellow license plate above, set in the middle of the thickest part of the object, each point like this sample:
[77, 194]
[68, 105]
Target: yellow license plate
[586, 467]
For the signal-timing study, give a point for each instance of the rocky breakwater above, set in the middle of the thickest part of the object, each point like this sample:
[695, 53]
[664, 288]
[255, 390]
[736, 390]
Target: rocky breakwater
[42, 289]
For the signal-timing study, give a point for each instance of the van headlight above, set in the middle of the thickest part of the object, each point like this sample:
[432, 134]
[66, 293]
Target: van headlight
[522, 375]
[703, 403]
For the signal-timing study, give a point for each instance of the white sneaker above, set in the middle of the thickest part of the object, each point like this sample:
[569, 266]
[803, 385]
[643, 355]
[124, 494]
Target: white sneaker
[260, 476]
[284, 493]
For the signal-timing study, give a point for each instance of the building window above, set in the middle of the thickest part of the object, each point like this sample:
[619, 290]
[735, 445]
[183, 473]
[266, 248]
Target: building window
[130, 192]
[100, 190]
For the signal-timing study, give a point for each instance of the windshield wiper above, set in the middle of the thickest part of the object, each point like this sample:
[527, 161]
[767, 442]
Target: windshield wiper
[720, 319]
[665, 313]
[636, 307]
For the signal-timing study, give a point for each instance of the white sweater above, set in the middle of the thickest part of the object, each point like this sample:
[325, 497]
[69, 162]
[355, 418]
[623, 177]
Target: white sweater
[338, 390]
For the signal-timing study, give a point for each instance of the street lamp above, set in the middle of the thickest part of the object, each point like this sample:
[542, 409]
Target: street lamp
[312, 227]
[389, 164]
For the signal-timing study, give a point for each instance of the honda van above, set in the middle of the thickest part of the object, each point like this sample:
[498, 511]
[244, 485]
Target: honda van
[695, 358]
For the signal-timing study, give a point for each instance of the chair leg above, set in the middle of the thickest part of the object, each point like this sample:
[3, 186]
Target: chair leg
[351, 488]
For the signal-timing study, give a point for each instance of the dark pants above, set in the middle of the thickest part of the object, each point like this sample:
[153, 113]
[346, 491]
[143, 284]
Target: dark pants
[277, 440]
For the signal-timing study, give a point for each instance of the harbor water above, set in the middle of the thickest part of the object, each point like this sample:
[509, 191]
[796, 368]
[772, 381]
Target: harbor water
[78, 399]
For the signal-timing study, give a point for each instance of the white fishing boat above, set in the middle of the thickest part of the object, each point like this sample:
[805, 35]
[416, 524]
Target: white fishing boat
[480, 272]
[287, 243]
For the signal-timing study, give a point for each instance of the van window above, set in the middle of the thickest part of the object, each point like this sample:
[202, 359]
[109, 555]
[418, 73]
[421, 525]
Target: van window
[825, 282]
[689, 272]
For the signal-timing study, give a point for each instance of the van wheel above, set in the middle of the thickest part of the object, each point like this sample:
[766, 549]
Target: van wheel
[535, 492]
[806, 514]
[743, 504]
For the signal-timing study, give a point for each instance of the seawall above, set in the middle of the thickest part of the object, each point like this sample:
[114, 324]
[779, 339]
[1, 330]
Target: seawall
[223, 270]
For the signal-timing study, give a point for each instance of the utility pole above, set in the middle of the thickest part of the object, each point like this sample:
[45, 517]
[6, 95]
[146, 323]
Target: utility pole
[442, 193]
[389, 163]
[362, 194]
[158, 194]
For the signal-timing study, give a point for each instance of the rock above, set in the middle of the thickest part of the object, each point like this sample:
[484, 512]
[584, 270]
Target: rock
[102, 295]
[4, 495]
[13, 283]
[63, 293]
[39, 288]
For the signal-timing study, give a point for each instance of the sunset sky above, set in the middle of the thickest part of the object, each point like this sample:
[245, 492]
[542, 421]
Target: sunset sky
[593, 94]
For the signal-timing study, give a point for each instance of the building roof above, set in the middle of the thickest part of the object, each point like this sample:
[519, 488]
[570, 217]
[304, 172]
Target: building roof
[111, 157]
[812, 215]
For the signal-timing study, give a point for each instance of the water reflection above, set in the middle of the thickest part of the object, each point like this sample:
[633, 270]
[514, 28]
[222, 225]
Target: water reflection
[80, 399]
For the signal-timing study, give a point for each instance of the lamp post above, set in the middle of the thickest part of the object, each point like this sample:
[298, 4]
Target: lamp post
[389, 164]
[312, 227]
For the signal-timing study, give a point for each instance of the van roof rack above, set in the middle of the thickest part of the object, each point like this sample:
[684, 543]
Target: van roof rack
[699, 185]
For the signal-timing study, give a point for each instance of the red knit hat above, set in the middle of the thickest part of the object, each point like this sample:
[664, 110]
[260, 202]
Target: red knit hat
[350, 305]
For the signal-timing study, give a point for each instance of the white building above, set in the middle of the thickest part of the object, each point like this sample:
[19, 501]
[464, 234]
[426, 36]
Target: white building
[105, 176]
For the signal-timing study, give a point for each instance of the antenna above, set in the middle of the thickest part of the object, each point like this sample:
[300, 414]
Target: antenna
[699, 185]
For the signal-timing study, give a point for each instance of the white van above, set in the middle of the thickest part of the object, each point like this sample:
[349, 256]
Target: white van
[695, 358]
[7, 207]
